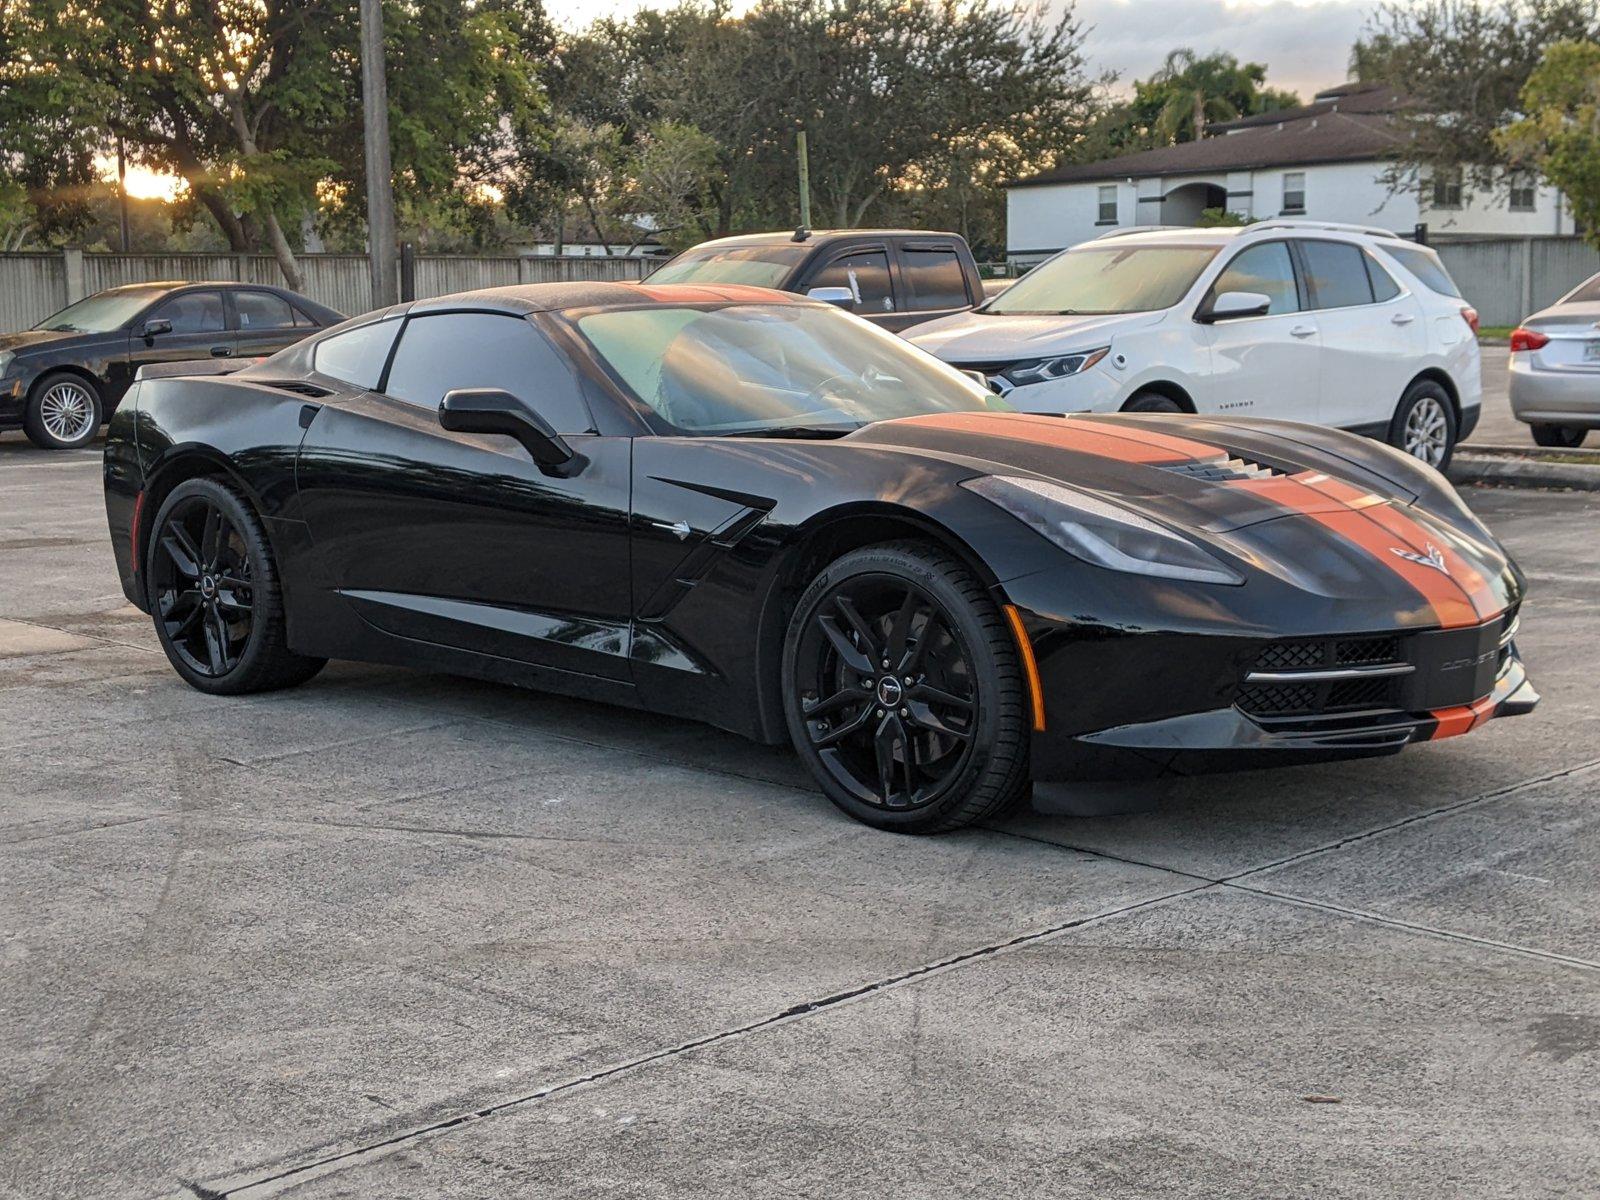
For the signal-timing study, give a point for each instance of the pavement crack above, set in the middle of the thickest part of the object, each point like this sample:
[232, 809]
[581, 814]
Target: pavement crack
[794, 1012]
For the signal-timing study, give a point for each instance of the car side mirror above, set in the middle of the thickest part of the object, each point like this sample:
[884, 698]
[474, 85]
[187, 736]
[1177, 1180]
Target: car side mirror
[157, 326]
[842, 296]
[489, 410]
[1230, 306]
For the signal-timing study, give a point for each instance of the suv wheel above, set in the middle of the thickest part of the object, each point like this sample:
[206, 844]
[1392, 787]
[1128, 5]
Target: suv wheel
[1564, 437]
[63, 412]
[1424, 424]
[1152, 402]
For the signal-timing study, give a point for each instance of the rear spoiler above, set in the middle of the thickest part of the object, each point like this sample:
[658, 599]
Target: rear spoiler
[200, 366]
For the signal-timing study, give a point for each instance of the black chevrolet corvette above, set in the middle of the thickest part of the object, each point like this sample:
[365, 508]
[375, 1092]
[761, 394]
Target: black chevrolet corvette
[755, 510]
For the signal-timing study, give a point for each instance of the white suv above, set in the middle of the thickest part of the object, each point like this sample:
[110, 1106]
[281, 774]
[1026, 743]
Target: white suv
[1329, 324]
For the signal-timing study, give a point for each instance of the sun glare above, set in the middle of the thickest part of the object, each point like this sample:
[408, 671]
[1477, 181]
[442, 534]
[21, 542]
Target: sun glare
[143, 183]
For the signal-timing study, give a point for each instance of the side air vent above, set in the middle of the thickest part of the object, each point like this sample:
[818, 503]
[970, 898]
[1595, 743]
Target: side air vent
[1225, 470]
[298, 387]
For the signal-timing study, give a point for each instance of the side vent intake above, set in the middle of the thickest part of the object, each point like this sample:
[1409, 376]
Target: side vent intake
[298, 387]
[1224, 470]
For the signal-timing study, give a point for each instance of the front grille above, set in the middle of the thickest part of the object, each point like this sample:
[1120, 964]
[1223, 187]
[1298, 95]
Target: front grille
[1328, 652]
[1298, 699]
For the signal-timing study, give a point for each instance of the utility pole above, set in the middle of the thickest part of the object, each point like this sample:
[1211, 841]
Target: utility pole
[805, 178]
[122, 192]
[380, 184]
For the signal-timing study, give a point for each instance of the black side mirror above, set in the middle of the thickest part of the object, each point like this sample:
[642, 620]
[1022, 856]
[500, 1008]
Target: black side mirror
[488, 410]
[152, 328]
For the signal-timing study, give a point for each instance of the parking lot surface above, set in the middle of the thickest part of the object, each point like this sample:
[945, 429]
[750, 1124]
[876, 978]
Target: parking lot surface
[398, 935]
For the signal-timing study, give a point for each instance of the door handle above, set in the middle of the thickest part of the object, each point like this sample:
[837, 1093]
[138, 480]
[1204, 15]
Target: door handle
[222, 352]
[1402, 318]
[1302, 331]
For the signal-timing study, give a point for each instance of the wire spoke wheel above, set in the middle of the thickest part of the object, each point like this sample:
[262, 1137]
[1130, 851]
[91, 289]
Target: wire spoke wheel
[205, 597]
[1427, 431]
[886, 692]
[67, 411]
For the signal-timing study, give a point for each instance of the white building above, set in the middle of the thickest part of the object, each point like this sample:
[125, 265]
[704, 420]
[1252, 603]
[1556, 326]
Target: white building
[1324, 160]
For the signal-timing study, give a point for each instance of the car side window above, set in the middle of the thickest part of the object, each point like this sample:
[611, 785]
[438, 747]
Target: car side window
[262, 310]
[357, 355]
[934, 278]
[193, 312]
[866, 274]
[1266, 268]
[445, 351]
[1336, 277]
[1383, 285]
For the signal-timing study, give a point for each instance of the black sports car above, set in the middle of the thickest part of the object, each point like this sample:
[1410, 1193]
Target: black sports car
[60, 379]
[752, 509]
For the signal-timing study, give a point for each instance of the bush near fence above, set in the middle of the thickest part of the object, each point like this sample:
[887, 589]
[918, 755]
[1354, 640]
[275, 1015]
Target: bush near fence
[32, 286]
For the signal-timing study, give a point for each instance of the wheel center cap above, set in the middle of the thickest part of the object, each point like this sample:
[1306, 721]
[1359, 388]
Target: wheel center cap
[208, 587]
[890, 693]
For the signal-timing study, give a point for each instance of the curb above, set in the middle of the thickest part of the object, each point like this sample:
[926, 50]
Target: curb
[1523, 472]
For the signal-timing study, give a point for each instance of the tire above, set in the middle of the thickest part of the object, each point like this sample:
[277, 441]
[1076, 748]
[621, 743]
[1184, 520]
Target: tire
[1152, 402]
[63, 412]
[214, 594]
[1564, 437]
[1424, 424]
[961, 727]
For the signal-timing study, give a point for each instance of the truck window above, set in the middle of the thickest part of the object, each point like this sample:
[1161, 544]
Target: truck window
[934, 278]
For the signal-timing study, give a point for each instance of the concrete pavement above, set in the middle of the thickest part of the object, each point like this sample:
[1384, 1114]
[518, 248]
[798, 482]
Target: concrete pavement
[396, 935]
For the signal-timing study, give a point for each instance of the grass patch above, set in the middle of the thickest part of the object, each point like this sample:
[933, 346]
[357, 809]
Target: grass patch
[1495, 333]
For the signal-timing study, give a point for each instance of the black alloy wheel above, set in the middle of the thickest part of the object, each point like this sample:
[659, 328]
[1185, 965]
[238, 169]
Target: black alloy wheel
[214, 594]
[903, 692]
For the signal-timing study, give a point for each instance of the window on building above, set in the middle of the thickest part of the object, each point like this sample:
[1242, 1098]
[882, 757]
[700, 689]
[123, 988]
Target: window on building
[1447, 189]
[1523, 191]
[1108, 205]
[1294, 191]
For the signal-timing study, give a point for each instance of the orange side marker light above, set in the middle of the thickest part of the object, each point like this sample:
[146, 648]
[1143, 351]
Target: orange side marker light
[1030, 665]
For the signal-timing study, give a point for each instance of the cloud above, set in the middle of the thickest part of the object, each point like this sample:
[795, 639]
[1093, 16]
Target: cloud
[1306, 46]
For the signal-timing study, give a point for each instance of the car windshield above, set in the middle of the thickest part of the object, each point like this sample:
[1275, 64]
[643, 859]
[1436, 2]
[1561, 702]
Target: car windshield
[100, 313]
[1106, 279]
[753, 266]
[791, 370]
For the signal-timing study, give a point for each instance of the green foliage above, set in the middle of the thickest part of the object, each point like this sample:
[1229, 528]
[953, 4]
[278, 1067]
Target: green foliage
[1463, 65]
[1222, 218]
[1560, 134]
[1191, 91]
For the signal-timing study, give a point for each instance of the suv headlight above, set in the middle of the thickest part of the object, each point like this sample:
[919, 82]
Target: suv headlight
[1040, 370]
[1102, 533]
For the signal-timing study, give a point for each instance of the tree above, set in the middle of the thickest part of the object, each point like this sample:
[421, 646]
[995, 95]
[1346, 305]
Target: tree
[1462, 67]
[673, 169]
[1190, 91]
[256, 103]
[1560, 134]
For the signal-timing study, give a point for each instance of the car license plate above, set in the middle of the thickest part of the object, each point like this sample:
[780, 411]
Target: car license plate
[1591, 352]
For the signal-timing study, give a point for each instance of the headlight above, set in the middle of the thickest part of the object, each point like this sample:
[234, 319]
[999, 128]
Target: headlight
[1038, 370]
[1102, 533]
[5, 360]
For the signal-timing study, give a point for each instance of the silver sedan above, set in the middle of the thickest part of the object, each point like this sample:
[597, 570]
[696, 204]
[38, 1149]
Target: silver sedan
[1555, 368]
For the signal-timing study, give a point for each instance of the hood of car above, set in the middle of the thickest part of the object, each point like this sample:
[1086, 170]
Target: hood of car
[990, 338]
[1207, 475]
[29, 338]
[1332, 513]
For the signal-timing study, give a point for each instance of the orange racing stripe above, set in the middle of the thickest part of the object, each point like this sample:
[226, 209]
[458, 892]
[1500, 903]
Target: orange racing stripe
[1463, 718]
[1121, 443]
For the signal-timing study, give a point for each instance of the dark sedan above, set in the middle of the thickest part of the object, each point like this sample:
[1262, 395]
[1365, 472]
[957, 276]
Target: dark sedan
[752, 509]
[62, 378]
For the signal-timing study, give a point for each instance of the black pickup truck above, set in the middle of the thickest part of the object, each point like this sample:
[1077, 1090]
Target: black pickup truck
[892, 277]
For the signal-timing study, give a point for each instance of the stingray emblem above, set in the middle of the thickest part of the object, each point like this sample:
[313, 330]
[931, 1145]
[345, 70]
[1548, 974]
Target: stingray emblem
[1433, 558]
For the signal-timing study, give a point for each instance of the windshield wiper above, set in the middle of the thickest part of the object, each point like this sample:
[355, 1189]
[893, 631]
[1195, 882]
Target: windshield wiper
[65, 329]
[817, 432]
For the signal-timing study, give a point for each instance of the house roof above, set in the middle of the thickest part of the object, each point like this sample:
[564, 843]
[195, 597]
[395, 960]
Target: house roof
[1355, 98]
[1324, 131]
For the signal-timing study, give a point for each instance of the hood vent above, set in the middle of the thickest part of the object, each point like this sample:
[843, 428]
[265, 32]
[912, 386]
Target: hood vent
[1224, 470]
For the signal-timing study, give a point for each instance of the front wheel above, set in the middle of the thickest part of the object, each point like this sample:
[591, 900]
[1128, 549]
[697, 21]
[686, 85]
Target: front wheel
[1152, 402]
[62, 413]
[903, 691]
[1560, 437]
[214, 594]
[1424, 424]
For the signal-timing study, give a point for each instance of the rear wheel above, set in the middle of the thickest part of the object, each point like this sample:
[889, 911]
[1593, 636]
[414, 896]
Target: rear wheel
[1564, 437]
[1424, 424]
[903, 692]
[214, 594]
[1152, 402]
[63, 412]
